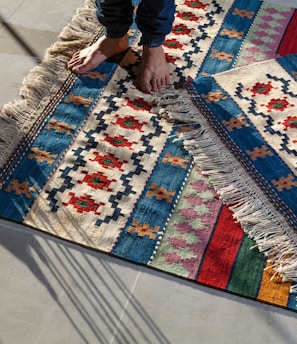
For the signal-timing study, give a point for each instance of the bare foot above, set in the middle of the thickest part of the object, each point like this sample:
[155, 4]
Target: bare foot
[154, 69]
[90, 57]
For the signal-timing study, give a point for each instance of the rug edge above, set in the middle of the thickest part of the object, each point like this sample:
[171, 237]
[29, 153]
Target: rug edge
[257, 221]
[18, 116]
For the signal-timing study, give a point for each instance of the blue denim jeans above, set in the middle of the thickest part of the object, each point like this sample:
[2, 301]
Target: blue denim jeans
[154, 19]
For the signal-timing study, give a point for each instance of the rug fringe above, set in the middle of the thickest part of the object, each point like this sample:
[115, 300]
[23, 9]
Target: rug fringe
[251, 208]
[43, 81]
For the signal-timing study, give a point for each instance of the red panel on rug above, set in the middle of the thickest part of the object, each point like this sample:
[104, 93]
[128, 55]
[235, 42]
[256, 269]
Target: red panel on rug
[288, 44]
[222, 251]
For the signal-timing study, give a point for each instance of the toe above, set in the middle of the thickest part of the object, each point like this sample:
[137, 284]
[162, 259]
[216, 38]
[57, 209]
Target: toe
[84, 66]
[146, 87]
[157, 86]
[145, 84]
[75, 61]
[164, 83]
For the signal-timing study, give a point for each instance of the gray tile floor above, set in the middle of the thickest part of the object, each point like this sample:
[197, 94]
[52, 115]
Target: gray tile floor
[53, 292]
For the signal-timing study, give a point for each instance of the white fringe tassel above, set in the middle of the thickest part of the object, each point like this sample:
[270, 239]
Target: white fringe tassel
[17, 117]
[260, 221]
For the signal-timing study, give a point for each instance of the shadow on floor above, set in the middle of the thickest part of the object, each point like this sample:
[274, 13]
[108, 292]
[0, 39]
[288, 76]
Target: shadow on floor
[82, 285]
[18, 35]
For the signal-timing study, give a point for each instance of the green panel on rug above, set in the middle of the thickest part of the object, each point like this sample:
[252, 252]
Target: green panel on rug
[247, 271]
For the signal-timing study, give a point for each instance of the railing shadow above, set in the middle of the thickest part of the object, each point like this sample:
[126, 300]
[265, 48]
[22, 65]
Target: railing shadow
[98, 300]
[27, 48]
[94, 292]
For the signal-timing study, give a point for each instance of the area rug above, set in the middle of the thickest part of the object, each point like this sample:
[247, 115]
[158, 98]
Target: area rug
[90, 160]
[246, 145]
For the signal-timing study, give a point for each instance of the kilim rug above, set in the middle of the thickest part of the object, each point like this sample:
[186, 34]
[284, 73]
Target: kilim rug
[91, 159]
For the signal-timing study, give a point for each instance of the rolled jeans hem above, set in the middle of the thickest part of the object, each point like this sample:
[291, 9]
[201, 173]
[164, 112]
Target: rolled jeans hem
[116, 33]
[154, 19]
[152, 43]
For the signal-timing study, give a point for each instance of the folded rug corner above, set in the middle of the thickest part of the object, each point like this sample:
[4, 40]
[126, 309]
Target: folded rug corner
[246, 143]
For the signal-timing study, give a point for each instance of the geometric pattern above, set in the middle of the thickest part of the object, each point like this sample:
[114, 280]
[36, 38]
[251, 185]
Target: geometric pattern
[268, 103]
[255, 163]
[272, 103]
[94, 180]
[98, 167]
[266, 34]
[189, 228]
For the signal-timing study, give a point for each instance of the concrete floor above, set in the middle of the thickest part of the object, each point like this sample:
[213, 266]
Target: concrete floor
[54, 292]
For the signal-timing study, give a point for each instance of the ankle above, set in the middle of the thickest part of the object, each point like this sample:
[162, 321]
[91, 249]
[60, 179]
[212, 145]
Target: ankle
[124, 38]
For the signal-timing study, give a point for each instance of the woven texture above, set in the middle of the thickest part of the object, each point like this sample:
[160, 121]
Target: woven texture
[96, 165]
[246, 145]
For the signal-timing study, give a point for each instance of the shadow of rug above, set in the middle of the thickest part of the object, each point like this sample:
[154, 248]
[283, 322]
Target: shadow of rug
[93, 160]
